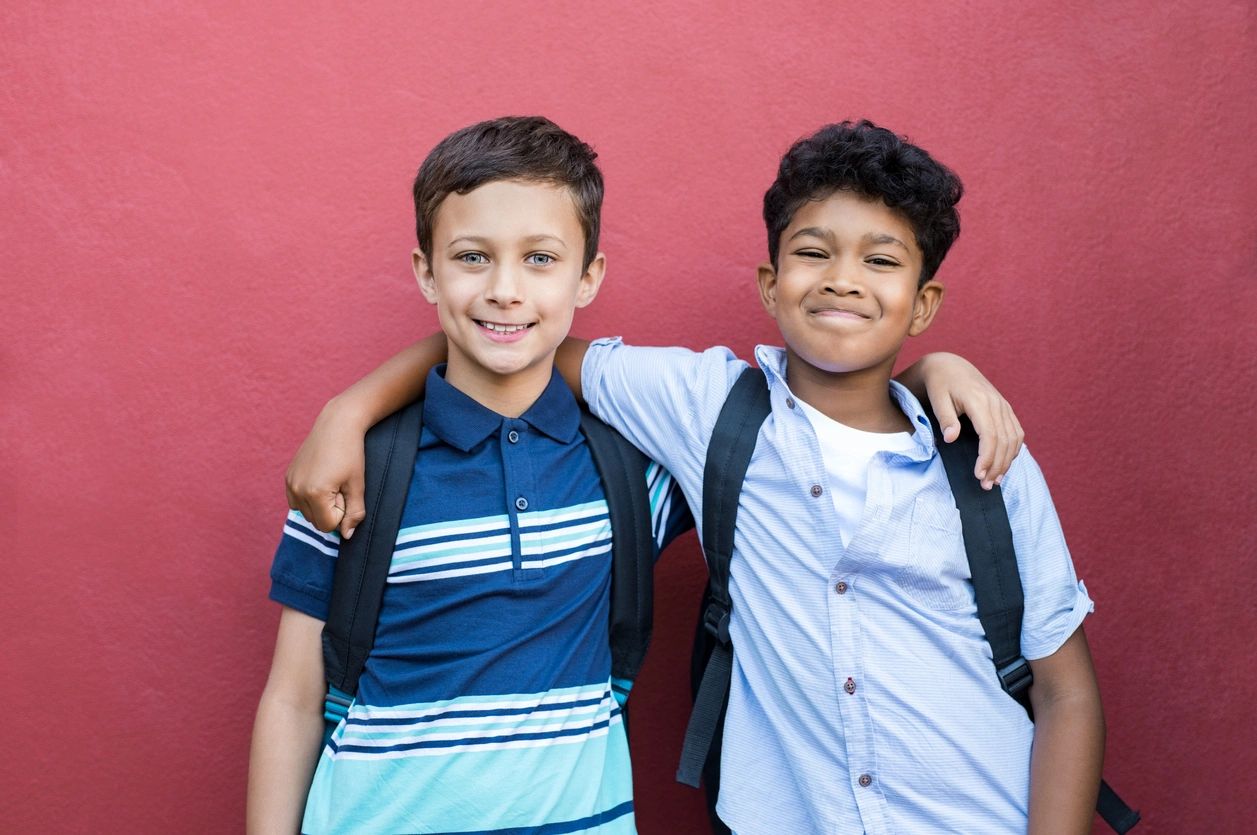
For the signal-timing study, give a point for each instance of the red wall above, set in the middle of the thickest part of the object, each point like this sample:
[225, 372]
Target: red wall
[206, 234]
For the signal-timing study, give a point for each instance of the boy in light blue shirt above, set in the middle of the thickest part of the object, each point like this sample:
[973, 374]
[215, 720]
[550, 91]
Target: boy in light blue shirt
[863, 698]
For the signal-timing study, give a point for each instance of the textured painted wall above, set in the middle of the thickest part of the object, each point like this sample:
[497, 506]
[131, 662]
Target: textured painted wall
[206, 234]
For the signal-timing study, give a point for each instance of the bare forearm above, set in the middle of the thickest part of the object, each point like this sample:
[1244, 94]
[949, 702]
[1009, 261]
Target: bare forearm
[1068, 748]
[282, 759]
[397, 382]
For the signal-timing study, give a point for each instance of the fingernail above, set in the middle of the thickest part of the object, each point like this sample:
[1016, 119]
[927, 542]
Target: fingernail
[987, 485]
[982, 476]
[349, 533]
[1000, 480]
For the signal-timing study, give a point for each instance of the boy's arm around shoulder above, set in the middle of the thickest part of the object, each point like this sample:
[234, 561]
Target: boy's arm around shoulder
[288, 729]
[1068, 751]
[955, 387]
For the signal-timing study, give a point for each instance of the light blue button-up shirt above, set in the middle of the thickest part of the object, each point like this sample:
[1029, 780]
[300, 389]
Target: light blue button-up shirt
[863, 696]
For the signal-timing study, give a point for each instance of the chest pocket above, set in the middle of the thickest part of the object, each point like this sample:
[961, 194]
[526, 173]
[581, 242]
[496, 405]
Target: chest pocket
[938, 576]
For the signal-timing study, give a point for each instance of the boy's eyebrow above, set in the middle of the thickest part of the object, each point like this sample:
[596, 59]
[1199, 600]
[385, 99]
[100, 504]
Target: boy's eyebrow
[815, 232]
[482, 241]
[884, 238]
[828, 236]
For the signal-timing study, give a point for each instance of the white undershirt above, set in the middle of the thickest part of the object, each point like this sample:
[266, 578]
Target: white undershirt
[847, 453]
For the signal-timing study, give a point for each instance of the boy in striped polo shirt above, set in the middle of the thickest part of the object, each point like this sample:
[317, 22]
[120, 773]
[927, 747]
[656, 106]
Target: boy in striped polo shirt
[486, 703]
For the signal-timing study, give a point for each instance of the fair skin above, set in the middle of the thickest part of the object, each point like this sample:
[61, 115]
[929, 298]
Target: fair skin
[506, 276]
[846, 296]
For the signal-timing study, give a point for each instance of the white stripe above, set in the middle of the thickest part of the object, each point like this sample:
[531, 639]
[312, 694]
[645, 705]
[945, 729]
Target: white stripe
[502, 549]
[556, 516]
[546, 563]
[354, 735]
[311, 541]
[504, 702]
[566, 535]
[484, 746]
[434, 530]
[296, 518]
[520, 720]
[453, 572]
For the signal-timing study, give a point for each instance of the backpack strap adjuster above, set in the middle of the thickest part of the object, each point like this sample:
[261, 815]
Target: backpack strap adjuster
[1016, 677]
[716, 622]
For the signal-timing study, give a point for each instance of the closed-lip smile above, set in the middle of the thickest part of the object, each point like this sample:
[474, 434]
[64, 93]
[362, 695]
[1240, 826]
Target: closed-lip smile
[838, 311]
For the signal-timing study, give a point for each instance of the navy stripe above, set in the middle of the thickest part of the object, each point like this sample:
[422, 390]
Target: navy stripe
[538, 527]
[452, 743]
[453, 537]
[473, 714]
[625, 808]
[580, 546]
[289, 524]
[420, 570]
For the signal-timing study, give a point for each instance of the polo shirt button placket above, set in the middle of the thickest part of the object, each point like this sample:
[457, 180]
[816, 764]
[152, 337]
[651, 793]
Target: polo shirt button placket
[512, 436]
[521, 503]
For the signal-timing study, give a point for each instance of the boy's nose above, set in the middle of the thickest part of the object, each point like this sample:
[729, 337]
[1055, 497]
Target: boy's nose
[842, 278]
[504, 286]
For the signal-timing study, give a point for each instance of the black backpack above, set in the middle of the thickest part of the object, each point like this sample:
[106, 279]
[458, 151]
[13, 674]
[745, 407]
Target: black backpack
[363, 562]
[988, 545]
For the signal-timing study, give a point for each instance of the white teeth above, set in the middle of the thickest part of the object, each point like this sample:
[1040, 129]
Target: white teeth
[496, 328]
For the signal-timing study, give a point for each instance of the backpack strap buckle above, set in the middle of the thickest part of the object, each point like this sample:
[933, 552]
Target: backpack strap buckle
[716, 622]
[1016, 677]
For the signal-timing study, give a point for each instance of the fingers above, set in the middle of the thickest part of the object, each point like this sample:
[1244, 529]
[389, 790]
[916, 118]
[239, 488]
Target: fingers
[999, 440]
[355, 507]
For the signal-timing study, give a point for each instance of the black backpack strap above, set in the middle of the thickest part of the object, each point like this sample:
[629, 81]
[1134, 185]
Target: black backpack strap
[992, 560]
[622, 469]
[997, 585]
[728, 456]
[363, 562]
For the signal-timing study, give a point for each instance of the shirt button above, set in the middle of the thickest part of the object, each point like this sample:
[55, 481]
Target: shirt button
[512, 436]
[817, 490]
[849, 687]
[521, 503]
[865, 781]
[841, 587]
[789, 402]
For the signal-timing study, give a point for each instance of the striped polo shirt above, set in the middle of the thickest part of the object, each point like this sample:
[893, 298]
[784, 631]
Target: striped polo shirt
[486, 703]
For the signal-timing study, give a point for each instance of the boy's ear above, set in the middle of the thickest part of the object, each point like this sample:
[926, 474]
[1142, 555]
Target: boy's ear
[767, 278]
[929, 300]
[591, 280]
[423, 274]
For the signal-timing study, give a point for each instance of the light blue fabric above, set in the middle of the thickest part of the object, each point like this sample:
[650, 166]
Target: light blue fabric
[890, 680]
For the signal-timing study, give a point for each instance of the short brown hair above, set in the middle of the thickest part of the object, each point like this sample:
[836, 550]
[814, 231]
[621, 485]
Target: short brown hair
[510, 148]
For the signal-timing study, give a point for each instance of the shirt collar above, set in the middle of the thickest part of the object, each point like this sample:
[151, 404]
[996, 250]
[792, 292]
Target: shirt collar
[773, 362]
[462, 422]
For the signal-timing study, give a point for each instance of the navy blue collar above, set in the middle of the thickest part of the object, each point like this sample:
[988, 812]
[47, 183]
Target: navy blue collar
[462, 422]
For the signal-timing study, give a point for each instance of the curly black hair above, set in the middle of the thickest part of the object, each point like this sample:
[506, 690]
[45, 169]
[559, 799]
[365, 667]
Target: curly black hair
[862, 158]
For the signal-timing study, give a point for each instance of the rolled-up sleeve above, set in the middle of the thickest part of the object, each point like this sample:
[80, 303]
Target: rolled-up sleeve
[1057, 602]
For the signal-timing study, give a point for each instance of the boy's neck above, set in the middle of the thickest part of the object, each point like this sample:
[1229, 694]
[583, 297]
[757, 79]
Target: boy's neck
[509, 395]
[858, 399]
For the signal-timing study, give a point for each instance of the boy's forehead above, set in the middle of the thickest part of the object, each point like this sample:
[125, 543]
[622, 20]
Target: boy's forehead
[519, 209]
[846, 214]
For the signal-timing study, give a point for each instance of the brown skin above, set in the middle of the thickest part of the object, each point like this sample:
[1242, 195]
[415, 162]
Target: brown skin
[1068, 740]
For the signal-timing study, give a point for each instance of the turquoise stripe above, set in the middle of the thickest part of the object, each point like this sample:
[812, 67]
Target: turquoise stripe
[480, 790]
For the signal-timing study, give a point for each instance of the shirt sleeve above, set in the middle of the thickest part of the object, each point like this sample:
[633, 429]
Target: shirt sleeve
[670, 514]
[664, 400]
[1056, 600]
[305, 562]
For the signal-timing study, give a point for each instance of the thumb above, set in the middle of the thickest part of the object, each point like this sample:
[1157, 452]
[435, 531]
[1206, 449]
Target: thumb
[948, 421]
[355, 507]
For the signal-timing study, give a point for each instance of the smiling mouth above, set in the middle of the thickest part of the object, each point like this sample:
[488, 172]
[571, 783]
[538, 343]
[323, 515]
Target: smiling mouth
[839, 311]
[498, 327]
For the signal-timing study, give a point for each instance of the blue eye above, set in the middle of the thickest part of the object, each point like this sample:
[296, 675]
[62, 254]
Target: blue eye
[472, 258]
[539, 259]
